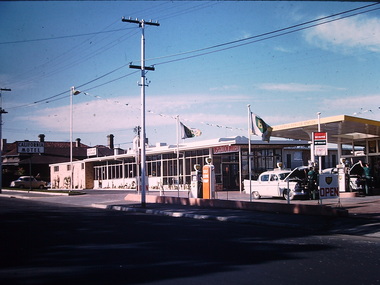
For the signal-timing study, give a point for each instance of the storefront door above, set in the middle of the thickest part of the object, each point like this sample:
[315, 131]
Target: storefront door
[230, 177]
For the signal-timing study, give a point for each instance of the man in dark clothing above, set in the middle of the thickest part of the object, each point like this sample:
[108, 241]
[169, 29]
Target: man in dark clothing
[367, 177]
[312, 183]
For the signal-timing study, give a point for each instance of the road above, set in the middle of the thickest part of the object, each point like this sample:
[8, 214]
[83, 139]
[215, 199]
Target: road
[46, 243]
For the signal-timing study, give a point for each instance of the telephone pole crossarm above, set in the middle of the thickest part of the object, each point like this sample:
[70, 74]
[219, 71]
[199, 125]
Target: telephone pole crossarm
[137, 21]
[150, 68]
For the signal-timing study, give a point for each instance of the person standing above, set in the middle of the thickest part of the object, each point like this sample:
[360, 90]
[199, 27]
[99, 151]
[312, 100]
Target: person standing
[367, 176]
[312, 183]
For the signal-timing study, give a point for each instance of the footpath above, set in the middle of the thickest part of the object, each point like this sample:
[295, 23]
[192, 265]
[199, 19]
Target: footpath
[353, 216]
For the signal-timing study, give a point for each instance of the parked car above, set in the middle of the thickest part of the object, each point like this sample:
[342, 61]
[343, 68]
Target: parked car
[279, 183]
[357, 181]
[28, 182]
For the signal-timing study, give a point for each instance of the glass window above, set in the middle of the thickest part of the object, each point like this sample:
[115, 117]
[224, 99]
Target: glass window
[273, 177]
[265, 177]
[372, 146]
[283, 175]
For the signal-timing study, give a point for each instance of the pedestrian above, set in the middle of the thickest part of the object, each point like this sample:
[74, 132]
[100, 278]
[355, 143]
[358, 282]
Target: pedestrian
[367, 176]
[312, 182]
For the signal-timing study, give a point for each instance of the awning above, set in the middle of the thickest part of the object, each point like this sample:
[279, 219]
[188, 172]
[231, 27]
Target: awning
[342, 128]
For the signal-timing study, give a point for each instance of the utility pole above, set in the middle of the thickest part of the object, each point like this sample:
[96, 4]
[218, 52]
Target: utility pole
[2, 111]
[143, 68]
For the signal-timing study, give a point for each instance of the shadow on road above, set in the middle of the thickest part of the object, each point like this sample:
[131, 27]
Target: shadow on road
[55, 244]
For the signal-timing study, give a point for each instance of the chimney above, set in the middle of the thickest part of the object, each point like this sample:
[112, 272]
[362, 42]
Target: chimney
[110, 141]
[77, 144]
[3, 145]
[41, 137]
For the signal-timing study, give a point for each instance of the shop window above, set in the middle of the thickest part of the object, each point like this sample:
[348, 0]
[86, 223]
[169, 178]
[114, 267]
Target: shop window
[372, 146]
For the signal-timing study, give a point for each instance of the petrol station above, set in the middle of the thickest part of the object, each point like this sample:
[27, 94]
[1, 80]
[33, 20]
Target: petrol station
[201, 168]
[356, 139]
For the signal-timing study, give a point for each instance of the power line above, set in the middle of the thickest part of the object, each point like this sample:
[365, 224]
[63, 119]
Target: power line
[273, 32]
[238, 43]
[64, 37]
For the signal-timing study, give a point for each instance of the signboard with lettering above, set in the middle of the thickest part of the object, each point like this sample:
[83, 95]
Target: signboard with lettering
[30, 147]
[328, 186]
[320, 144]
[93, 151]
[226, 149]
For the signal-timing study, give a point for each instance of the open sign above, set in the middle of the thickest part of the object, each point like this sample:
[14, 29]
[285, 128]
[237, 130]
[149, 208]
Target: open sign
[328, 186]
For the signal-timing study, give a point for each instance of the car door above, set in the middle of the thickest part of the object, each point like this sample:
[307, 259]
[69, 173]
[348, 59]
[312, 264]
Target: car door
[263, 185]
[273, 187]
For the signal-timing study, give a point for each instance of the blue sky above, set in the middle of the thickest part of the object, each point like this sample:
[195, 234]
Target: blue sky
[47, 47]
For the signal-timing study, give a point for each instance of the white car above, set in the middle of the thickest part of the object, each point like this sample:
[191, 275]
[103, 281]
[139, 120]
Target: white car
[28, 182]
[279, 183]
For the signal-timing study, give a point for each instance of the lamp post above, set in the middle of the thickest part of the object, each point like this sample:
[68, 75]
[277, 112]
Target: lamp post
[72, 93]
[2, 111]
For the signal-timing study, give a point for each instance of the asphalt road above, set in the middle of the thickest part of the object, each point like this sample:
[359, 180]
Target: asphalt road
[45, 243]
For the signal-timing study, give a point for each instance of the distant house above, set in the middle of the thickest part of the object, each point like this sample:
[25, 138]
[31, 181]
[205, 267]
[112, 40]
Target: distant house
[16, 164]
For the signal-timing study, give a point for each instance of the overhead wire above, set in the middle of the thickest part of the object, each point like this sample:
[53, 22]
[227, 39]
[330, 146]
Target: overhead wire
[237, 43]
[273, 32]
[70, 58]
[64, 37]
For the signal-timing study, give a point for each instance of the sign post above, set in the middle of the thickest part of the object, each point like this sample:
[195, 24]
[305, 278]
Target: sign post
[30, 147]
[320, 143]
[328, 186]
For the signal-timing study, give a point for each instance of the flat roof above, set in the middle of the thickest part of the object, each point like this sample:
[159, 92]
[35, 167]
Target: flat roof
[342, 128]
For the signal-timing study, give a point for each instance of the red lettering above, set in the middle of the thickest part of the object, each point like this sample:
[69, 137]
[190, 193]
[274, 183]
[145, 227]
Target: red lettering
[333, 191]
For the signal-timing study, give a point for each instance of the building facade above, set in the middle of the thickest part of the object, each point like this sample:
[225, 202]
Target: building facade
[169, 167]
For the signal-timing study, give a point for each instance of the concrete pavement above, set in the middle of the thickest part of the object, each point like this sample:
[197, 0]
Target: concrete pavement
[356, 215]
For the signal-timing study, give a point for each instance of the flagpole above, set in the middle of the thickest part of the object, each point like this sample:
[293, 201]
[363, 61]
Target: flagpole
[249, 151]
[178, 134]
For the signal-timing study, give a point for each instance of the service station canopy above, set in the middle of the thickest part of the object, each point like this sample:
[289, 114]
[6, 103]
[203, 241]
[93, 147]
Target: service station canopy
[340, 129]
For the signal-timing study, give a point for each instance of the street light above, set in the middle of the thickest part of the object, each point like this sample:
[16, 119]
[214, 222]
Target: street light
[72, 93]
[2, 111]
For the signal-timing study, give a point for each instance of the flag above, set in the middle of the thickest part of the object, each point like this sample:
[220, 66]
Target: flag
[189, 133]
[260, 128]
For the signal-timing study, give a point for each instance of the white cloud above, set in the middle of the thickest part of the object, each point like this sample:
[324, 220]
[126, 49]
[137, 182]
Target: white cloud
[282, 49]
[296, 87]
[225, 88]
[115, 114]
[357, 32]
[353, 105]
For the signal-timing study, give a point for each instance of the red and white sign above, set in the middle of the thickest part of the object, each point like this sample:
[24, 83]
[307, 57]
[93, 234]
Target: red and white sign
[328, 186]
[320, 143]
[226, 149]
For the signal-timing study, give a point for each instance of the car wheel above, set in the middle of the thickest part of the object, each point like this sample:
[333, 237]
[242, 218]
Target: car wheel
[256, 195]
[21, 186]
[41, 187]
[285, 194]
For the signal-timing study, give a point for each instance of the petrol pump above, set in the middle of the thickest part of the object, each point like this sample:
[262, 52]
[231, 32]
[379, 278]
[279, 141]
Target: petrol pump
[196, 182]
[208, 179]
[343, 176]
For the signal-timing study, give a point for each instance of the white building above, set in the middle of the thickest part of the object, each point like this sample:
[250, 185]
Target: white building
[229, 156]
